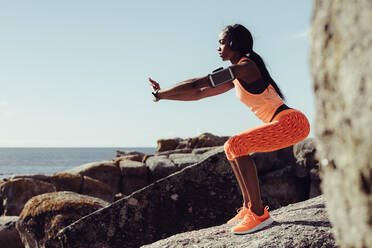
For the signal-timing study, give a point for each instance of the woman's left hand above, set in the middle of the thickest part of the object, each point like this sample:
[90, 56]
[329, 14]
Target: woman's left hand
[154, 84]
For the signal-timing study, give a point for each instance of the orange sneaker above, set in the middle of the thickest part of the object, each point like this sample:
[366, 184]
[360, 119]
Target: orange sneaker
[240, 215]
[253, 222]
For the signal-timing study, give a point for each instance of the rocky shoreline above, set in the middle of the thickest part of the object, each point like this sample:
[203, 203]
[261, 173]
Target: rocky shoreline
[188, 180]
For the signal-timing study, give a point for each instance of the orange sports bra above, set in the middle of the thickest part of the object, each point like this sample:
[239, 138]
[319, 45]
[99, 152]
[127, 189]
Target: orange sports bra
[263, 105]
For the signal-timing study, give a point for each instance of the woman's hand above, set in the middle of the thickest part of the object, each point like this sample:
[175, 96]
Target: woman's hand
[155, 87]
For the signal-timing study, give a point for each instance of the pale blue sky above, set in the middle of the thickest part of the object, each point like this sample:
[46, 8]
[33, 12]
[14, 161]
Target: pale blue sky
[74, 73]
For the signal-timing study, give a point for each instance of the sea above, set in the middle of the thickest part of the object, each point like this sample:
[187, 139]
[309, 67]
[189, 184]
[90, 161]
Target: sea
[47, 161]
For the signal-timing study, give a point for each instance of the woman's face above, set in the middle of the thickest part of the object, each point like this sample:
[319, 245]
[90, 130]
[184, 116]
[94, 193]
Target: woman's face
[224, 49]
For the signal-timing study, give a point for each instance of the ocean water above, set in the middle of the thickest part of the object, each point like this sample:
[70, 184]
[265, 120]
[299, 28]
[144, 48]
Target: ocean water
[46, 161]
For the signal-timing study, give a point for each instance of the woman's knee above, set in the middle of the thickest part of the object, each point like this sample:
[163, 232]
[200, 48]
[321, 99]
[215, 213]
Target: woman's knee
[230, 147]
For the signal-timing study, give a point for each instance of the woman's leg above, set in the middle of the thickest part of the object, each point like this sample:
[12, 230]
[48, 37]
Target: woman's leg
[288, 128]
[249, 176]
[238, 176]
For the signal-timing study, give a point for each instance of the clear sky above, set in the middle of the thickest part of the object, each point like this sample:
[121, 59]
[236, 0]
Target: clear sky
[73, 73]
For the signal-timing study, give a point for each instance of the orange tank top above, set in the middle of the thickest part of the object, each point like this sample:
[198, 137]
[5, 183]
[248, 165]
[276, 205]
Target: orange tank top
[263, 105]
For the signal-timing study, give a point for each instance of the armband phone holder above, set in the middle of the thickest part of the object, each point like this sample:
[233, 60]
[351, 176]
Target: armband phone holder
[220, 76]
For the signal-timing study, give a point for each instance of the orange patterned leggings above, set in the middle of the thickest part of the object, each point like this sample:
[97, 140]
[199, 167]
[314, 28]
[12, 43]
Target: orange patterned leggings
[287, 128]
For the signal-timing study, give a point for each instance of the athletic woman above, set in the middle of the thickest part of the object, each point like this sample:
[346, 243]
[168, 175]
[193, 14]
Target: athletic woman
[254, 87]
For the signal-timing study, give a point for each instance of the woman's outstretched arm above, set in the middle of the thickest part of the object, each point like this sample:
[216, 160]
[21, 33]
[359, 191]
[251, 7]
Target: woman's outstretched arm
[190, 90]
[187, 90]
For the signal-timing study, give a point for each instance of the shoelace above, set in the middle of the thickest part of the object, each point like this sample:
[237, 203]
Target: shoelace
[240, 211]
[249, 217]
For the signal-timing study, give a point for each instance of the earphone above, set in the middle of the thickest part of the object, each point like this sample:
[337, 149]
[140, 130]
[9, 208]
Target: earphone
[234, 44]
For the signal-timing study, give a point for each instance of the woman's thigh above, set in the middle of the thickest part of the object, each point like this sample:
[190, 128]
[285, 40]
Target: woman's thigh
[286, 129]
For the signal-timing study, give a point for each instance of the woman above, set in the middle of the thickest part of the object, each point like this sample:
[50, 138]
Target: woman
[254, 86]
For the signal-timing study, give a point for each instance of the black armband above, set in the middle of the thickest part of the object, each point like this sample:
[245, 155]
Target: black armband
[221, 76]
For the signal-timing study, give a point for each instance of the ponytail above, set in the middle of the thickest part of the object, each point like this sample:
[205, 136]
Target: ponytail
[241, 40]
[264, 72]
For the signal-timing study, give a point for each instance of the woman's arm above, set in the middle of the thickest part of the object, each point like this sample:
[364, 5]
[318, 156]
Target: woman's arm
[198, 88]
[193, 89]
[222, 88]
[188, 90]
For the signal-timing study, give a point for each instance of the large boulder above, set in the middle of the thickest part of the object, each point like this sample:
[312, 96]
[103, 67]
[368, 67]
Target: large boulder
[271, 161]
[39, 177]
[83, 185]
[160, 167]
[340, 62]
[44, 215]
[307, 165]
[67, 182]
[9, 237]
[16, 192]
[200, 195]
[303, 224]
[282, 187]
[167, 144]
[288, 175]
[135, 176]
[95, 188]
[106, 171]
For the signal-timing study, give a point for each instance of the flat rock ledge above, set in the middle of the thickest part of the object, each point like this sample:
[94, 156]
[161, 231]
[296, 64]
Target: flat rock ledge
[303, 224]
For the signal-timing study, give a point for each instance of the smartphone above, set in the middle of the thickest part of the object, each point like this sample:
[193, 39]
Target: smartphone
[221, 76]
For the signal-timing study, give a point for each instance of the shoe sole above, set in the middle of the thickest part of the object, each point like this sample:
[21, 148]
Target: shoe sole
[264, 224]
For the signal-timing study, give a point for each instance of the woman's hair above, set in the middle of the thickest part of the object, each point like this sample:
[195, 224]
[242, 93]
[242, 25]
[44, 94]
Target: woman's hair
[241, 40]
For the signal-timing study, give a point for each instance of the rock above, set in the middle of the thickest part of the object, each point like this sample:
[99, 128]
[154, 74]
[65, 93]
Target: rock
[1, 205]
[39, 177]
[95, 188]
[167, 144]
[185, 150]
[166, 163]
[44, 215]
[135, 176]
[341, 68]
[281, 187]
[300, 168]
[67, 182]
[135, 157]
[146, 157]
[129, 153]
[204, 140]
[82, 185]
[16, 192]
[105, 171]
[182, 160]
[315, 182]
[269, 161]
[9, 237]
[302, 224]
[210, 140]
[160, 167]
[203, 150]
[304, 153]
[200, 195]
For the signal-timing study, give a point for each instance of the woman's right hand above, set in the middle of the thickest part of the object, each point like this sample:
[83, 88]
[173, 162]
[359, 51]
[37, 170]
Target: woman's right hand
[155, 87]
